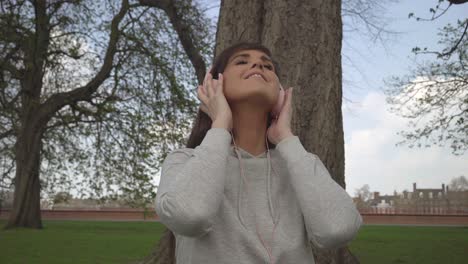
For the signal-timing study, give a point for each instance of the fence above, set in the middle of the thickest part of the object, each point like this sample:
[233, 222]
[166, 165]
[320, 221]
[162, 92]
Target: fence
[92, 214]
[414, 211]
[370, 216]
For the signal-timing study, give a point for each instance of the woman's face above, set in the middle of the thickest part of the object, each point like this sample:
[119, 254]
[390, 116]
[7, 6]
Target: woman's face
[240, 83]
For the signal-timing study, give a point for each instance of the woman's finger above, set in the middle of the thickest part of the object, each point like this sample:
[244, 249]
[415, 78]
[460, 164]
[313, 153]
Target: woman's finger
[203, 90]
[209, 85]
[220, 82]
[205, 83]
[285, 99]
[204, 79]
[204, 108]
[289, 99]
[215, 86]
[202, 95]
[288, 104]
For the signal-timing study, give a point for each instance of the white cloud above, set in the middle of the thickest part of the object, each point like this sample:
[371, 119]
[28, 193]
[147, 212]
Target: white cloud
[372, 157]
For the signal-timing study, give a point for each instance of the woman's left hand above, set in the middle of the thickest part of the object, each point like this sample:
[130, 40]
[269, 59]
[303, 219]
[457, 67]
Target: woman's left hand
[281, 128]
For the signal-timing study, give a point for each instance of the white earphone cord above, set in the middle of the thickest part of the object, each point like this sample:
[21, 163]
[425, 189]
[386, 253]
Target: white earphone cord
[270, 251]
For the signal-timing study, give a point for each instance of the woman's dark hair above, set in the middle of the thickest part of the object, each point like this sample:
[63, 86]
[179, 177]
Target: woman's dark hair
[166, 247]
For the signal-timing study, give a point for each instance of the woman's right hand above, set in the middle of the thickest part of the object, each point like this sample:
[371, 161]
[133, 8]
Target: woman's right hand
[213, 101]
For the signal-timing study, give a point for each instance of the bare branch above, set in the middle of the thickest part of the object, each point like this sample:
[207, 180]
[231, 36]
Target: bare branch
[7, 133]
[183, 30]
[450, 51]
[458, 2]
[61, 52]
[15, 73]
[58, 100]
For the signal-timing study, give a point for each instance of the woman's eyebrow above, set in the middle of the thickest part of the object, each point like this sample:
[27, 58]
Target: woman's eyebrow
[263, 57]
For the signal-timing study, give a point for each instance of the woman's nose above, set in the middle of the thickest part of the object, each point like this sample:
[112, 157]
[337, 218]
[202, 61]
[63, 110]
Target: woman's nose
[257, 64]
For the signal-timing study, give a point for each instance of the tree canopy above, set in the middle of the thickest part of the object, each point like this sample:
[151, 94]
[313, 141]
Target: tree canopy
[109, 81]
[434, 94]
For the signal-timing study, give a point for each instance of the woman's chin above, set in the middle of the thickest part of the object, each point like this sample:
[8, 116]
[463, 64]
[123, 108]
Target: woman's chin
[257, 85]
[256, 95]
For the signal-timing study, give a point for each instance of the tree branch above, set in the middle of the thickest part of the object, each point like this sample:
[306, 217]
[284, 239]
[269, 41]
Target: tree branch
[7, 133]
[36, 50]
[15, 73]
[449, 52]
[58, 100]
[184, 32]
[458, 42]
[457, 2]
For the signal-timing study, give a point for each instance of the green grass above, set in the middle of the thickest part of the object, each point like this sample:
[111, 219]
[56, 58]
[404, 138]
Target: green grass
[79, 242]
[411, 244]
[123, 242]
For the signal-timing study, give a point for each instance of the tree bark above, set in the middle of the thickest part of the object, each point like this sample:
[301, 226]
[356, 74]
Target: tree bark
[26, 211]
[305, 37]
[26, 202]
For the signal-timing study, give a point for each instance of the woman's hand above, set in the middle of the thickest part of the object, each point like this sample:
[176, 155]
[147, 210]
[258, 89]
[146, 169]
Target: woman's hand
[213, 101]
[281, 128]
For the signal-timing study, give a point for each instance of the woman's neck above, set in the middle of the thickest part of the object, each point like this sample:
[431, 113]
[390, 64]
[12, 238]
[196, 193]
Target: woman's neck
[249, 130]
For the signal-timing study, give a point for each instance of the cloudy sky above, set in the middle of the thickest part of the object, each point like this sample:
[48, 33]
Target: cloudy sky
[370, 129]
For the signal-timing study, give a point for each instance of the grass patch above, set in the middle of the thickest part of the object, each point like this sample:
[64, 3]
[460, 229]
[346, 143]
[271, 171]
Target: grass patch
[124, 242]
[411, 244]
[79, 242]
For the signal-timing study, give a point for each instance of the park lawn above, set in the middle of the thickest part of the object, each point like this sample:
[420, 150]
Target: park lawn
[79, 242]
[123, 242]
[411, 244]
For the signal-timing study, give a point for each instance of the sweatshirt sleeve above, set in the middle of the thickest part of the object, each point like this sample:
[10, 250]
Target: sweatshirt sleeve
[331, 218]
[192, 181]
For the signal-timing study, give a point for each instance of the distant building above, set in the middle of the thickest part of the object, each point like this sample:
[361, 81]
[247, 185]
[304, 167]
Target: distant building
[383, 201]
[424, 200]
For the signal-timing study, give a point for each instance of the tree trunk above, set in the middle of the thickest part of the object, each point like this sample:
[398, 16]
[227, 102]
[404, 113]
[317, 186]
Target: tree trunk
[34, 116]
[26, 211]
[305, 38]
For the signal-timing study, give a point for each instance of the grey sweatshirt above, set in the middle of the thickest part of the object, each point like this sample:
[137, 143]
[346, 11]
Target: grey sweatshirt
[214, 214]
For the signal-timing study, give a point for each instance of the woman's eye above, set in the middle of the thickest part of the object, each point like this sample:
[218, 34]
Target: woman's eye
[268, 66]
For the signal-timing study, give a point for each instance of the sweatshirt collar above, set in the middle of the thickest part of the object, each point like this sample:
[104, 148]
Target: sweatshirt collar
[245, 154]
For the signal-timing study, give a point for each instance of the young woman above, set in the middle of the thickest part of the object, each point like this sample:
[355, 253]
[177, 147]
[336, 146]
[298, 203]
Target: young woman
[244, 190]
